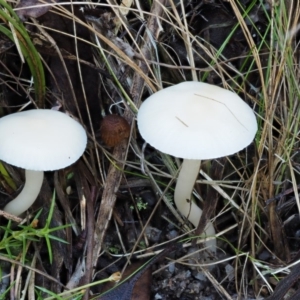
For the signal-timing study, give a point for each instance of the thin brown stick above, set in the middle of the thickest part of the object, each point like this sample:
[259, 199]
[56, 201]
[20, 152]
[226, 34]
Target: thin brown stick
[10, 216]
[115, 171]
[90, 242]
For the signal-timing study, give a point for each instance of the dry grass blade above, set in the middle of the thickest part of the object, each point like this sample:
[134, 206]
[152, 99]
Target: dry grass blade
[106, 58]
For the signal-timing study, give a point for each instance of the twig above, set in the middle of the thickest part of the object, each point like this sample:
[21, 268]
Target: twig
[10, 216]
[115, 172]
[90, 242]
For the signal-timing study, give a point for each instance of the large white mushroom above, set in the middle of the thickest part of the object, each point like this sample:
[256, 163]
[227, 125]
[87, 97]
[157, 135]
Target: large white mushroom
[37, 141]
[195, 121]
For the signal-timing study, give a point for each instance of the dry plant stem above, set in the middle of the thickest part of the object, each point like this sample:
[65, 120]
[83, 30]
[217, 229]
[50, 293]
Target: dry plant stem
[10, 216]
[184, 187]
[284, 285]
[64, 201]
[218, 286]
[37, 271]
[31, 189]
[90, 242]
[115, 174]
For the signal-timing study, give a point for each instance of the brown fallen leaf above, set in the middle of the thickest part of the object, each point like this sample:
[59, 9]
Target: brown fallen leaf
[142, 287]
[132, 288]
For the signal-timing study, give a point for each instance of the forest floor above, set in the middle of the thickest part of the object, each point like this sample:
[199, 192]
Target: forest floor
[113, 210]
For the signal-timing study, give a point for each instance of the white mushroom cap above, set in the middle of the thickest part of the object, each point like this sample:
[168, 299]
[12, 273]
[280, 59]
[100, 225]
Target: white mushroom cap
[41, 140]
[196, 120]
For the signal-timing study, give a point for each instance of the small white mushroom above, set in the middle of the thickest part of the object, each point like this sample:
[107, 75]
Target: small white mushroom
[37, 141]
[195, 121]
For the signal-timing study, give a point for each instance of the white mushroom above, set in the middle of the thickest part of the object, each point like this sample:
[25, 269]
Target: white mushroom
[195, 121]
[37, 141]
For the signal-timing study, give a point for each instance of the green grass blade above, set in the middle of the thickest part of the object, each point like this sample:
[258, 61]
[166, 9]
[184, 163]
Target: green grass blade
[29, 51]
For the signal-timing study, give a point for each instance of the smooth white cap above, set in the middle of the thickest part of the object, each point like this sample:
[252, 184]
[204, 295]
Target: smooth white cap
[196, 120]
[41, 140]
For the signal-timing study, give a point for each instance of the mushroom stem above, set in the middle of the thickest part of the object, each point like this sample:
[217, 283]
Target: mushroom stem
[31, 189]
[183, 191]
